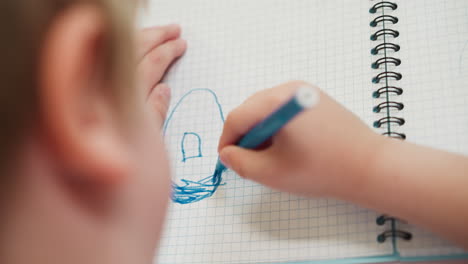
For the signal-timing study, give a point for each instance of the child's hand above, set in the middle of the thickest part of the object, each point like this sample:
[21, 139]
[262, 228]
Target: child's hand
[323, 151]
[158, 48]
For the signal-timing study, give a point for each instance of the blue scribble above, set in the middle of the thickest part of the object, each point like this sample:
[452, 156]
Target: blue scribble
[193, 191]
[182, 146]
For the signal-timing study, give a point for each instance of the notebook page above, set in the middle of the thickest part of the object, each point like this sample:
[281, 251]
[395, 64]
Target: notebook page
[235, 49]
[434, 54]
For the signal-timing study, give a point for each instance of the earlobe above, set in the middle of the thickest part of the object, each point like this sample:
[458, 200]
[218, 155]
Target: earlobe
[79, 117]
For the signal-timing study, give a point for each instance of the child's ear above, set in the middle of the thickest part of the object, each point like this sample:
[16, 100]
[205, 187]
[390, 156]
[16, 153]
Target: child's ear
[79, 116]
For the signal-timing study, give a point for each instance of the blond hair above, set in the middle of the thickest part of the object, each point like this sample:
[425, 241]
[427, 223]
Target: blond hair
[24, 25]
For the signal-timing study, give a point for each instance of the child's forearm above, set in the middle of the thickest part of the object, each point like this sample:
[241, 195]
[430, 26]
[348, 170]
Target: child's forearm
[424, 186]
[312, 156]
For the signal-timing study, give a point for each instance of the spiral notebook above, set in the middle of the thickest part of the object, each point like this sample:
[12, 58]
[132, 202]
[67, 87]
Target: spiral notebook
[401, 66]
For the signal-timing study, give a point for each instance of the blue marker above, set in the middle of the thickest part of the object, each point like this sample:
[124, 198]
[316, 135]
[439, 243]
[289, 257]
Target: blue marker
[304, 98]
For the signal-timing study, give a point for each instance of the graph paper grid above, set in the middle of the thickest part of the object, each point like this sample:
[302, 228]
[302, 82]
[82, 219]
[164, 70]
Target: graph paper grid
[236, 48]
[434, 57]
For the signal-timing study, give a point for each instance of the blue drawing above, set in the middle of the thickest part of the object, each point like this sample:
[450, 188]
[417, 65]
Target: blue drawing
[185, 138]
[190, 191]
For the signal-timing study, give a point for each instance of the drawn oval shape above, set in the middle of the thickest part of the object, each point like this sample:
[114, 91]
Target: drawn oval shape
[196, 119]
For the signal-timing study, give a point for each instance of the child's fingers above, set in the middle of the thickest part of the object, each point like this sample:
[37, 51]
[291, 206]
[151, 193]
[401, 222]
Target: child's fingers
[254, 110]
[242, 119]
[155, 63]
[150, 38]
[250, 164]
[159, 100]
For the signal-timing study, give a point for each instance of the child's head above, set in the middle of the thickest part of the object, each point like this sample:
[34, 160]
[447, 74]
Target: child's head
[84, 174]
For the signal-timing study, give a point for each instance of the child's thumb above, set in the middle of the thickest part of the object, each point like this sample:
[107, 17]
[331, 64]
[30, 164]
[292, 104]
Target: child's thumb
[247, 163]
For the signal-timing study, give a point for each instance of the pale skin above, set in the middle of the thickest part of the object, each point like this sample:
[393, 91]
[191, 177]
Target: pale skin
[93, 187]
[327, 151]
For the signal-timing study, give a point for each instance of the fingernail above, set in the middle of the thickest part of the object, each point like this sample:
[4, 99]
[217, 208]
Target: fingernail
[164, 91]
[173, 26]
[224, 160]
